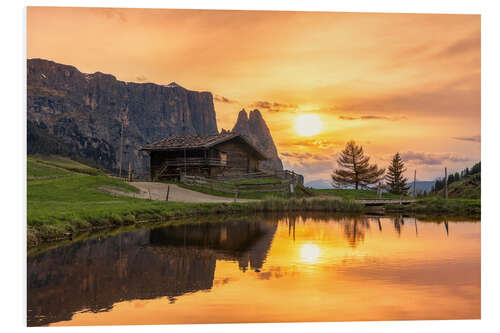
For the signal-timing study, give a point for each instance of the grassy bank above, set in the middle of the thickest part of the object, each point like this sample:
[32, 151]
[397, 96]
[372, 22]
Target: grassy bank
[349, 194]
[64, 200]
[435, 206]
[226, 189]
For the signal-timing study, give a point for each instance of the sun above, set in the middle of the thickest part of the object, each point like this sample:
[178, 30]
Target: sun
[308, 124]
[309, 253]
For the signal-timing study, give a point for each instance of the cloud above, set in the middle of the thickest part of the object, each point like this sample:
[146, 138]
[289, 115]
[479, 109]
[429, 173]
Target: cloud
[348, 118]
[432, 158]
[372, 117]
[304, 156]
[470, 43]
[110, 13]
[461, 97]
[319, 143]
[475, 138]
[141, 78]
[318, 168]
[222, 99]
[274, 106]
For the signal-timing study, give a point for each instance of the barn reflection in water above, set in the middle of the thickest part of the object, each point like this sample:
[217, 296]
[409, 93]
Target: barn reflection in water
[168, 262]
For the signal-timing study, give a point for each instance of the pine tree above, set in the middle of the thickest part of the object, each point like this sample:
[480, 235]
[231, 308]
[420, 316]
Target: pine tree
[356, 168]
[396, 182]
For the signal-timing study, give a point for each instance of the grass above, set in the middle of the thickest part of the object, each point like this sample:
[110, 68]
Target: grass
[39, 171]
[269, 180]
[434, 206]
[63, 202]
[349, 194]
[465, 188]
[63, 163]
[230, 187]
[242, 195]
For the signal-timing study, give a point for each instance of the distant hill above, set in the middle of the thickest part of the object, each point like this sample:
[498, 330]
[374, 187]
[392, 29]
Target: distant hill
[319, 184]
[465, 184]
[423, 185]
[466, 188]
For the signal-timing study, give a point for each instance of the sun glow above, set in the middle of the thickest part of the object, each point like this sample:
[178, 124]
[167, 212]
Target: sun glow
[309, 253]
[308, 124]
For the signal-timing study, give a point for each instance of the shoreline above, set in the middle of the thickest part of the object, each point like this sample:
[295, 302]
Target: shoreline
[424, 209]
[39, 233]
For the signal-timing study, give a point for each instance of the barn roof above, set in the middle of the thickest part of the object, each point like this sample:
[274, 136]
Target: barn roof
[199, 142]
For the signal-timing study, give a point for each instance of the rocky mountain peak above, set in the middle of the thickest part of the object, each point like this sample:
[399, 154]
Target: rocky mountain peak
[82, 114]
[254, 127]
[242, 118]
[173, 85]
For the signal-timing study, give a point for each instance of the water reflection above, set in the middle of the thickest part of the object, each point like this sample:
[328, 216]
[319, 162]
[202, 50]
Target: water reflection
[313, 264]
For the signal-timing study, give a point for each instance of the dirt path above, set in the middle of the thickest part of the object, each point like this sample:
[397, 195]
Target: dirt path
[177, 194]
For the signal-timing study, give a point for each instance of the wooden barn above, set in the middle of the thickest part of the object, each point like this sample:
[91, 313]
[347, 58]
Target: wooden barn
[207, 156]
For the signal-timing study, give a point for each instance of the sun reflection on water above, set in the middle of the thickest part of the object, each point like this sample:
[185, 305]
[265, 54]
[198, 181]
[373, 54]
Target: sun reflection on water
[309, 253]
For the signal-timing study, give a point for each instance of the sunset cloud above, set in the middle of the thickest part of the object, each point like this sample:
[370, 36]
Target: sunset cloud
[372, 117]
[222, 99]
[471, 43]
[476, 138]
[274, 106]
[432, 158]
[141, 78]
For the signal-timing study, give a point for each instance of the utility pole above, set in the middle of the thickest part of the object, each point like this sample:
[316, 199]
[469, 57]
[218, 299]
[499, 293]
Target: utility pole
[415, 184]
[121, 149]
[445, 183]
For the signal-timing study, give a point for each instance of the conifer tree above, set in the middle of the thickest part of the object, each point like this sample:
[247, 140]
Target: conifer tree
[395, 180]
[355, 168]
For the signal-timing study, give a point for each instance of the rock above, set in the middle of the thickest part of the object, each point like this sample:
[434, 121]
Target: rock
[83, 113]
[255, 129]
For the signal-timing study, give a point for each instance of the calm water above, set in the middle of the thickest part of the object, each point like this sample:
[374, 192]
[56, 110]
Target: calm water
[269, 269]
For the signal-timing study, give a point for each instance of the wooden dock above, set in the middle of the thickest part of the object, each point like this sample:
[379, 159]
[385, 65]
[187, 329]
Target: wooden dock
[383, 202]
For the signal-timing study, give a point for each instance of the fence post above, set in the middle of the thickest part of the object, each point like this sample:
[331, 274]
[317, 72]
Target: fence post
[236, 194]
[129, 172]
[168, 192]
[445, 183]
[415, 184]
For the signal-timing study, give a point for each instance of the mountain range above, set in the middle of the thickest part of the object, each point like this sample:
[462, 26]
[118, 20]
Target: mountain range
[421, 185]
[83, 115]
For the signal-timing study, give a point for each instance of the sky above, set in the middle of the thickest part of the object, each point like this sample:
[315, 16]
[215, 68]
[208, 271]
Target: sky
[407, 83]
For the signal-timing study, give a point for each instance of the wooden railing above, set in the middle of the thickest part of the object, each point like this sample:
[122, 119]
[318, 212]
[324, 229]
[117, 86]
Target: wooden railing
[279, 187]
[194, 161]
[288, 175]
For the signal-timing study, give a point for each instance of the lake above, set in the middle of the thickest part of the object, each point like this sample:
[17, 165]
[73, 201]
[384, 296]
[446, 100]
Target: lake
[262, 269]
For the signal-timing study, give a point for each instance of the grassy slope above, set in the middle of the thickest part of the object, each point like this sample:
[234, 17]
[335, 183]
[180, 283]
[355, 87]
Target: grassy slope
[61, 201]
[349, 194]
[465, 188]
[452, 207]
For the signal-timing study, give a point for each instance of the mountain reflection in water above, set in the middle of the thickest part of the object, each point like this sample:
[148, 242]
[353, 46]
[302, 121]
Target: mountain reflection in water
[203, 272]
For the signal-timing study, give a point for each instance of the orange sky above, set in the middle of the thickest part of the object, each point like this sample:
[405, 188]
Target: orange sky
[393, 82]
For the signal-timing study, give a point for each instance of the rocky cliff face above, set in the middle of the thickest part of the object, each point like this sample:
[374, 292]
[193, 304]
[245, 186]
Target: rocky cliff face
[81, 115]
[255, 129]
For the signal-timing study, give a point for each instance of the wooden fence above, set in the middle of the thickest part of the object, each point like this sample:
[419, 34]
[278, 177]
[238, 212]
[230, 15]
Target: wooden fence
[286, 175]
[281, 187]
